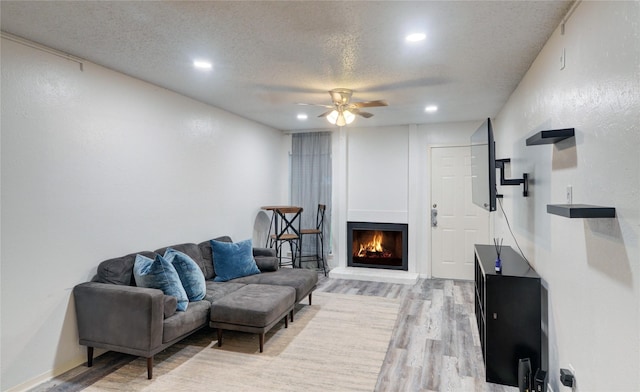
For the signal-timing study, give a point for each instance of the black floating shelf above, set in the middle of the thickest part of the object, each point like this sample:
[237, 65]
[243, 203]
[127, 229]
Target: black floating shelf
[581, 211]
[550, 137]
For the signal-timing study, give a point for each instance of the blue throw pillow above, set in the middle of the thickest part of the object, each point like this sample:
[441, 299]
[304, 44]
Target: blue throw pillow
[233, 260]
[160, 274]
[190, 274]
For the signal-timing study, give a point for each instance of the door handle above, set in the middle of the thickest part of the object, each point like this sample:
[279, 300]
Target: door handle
[434, 217]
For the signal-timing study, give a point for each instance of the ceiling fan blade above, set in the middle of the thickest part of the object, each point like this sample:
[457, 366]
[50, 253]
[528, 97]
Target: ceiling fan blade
[325, 114]
[369, 104]
[315, 104]
[363, 114]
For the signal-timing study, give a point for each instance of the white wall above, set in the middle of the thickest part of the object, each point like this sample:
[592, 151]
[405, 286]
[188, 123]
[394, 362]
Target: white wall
[590, 267]
[377, 176]
[381, 174]
[96, 165]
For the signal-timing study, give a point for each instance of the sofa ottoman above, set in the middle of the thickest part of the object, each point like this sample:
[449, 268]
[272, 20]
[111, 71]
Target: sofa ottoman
[302, 280]
[254, 308]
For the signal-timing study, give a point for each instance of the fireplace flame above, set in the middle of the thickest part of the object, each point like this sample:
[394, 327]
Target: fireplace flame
[373, 246]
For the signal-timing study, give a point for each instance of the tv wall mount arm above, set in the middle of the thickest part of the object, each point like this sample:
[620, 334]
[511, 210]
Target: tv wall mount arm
[512, 181]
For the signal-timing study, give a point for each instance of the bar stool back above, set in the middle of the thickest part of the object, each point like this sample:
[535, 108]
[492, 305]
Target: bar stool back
[318, 231]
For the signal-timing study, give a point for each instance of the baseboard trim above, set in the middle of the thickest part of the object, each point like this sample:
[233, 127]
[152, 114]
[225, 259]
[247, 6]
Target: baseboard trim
[53, 373]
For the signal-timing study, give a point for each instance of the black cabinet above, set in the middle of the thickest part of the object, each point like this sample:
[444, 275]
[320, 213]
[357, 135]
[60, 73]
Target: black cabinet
[508, 313]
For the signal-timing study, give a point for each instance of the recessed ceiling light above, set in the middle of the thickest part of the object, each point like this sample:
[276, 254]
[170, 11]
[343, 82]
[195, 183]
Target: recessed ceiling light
[205, 65]
[416, 37]
[431, 109]
[302, 116]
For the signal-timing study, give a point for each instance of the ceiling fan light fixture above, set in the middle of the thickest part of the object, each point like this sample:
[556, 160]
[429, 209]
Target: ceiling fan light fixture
[348, 116]
[343, 112]
[341, 118]
[333, 117]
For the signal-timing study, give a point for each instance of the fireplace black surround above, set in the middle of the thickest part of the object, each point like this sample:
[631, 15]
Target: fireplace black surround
[377, 245]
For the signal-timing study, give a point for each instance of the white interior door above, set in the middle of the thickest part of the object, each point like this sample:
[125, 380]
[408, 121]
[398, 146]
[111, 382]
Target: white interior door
[459, 223]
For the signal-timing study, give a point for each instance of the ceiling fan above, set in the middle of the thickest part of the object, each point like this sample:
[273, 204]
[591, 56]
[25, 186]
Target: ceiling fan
[343, 112]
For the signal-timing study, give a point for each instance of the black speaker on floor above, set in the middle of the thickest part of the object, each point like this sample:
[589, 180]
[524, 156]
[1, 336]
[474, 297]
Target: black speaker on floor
[540, 381]
[524, 375]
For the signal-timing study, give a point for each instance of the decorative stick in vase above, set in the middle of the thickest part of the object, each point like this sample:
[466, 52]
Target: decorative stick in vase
[498, 245]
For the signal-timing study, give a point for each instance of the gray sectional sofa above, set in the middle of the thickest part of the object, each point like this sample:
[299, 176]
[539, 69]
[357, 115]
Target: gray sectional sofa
[114, 314]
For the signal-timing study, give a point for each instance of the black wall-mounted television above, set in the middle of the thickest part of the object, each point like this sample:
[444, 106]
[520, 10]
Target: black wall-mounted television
[483, 167]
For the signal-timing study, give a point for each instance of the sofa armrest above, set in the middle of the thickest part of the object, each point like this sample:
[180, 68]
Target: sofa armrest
[126, 318]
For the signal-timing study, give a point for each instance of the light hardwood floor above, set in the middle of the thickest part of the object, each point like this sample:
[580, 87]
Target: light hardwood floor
[434, 345]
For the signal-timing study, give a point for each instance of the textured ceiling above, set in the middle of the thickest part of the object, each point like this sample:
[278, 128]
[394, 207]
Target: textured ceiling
[270, 55]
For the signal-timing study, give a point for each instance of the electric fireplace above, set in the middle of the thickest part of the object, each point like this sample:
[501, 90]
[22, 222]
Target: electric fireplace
[377, 245]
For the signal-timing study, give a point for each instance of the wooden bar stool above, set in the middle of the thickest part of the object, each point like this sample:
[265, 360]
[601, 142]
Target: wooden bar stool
[318, 231]
[287, 230]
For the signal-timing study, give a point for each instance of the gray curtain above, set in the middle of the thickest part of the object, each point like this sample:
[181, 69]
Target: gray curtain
[311, 183]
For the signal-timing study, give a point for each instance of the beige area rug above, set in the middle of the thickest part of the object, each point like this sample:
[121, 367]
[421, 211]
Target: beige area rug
[337, 344]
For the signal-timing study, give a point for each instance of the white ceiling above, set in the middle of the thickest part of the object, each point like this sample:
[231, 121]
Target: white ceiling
[270, 55]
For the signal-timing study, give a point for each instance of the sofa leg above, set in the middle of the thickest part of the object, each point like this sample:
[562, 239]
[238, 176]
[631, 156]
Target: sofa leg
[261, 339]
[219, 337]
[310, 298]
[286, 321]
[89, 356]
[150, 368]
[291, 315]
